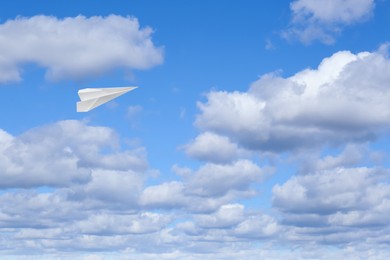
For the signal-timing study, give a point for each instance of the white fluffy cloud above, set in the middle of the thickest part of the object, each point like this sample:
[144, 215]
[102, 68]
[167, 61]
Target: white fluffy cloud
[165, 195]
[44, 224]
[75, 47]
[113, 210]
[344, 100]
[29, 209]
[41, 223]
[90, 194]
[62, 153]
[352, 155]
[212, 147]
[118, 188]
[226, 216]
[331, 191]
[257, 226]
[206, 189]
[105, 224]
[322, 20]
[217, 180]
[334, 203]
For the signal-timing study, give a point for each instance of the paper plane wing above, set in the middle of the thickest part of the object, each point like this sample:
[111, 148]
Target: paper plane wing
[94, 97]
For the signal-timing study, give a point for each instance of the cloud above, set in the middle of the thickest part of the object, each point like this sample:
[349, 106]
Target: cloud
[207, 188]
[112, 208]
[61, 154]
[44, 223]
[114, 212]
[335, 206]
[230, 224]
[133, 111]
[257, 226]
[323, 20]
[75, 47]
[328, 191]
[212, 147]
[352, 155]
[217, 180]
[106, 224]
[48, 223]
[29, 209]
[174, 195]
[227, 216]
[165, 195]
[118, 188]
[315, 107]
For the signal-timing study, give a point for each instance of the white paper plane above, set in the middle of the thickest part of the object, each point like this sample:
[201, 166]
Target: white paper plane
[94, 97]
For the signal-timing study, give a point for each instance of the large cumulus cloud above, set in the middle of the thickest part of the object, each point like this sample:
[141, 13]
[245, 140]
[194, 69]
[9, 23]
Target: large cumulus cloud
[75, 47]
[344, 100]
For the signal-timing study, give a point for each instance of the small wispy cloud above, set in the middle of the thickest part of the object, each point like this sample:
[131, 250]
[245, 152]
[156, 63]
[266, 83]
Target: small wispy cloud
[133, 111]
[269, 45]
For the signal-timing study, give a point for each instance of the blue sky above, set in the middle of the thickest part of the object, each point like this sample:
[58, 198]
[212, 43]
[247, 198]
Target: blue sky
[260, 130]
